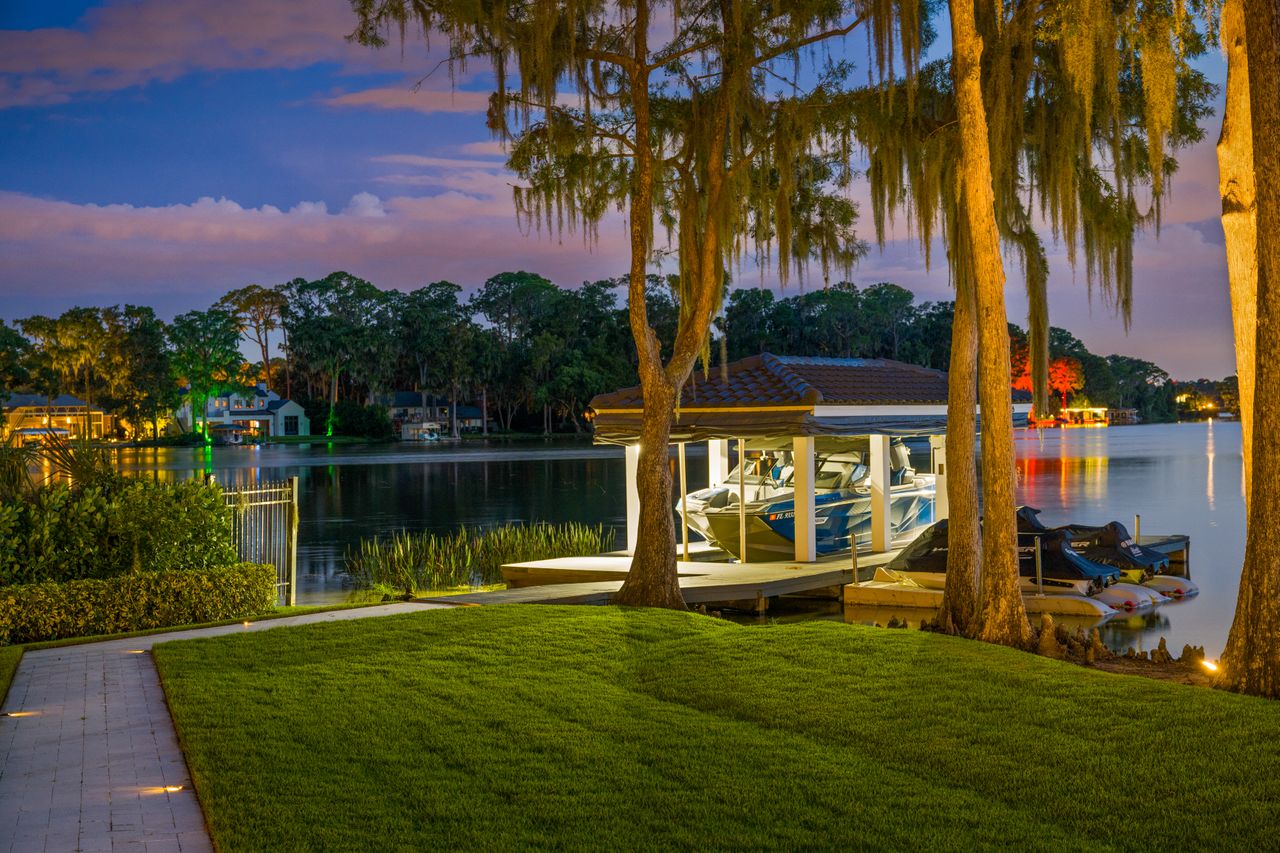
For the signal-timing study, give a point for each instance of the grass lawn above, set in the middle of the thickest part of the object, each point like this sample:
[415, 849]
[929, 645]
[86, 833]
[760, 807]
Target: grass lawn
[9, 657]
[594, 727]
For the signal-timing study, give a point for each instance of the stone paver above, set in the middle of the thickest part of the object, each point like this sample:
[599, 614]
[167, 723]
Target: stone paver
[87, 771]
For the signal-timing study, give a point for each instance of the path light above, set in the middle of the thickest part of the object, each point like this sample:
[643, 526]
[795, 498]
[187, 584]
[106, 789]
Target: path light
[22, 714]
[136, 652]
[172, 789]
[1209, 665]
[247, 624]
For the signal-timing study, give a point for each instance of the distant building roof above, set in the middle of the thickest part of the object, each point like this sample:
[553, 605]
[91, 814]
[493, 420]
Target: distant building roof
[18, 401]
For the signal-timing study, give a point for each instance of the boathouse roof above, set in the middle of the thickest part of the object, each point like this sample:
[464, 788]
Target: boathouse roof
[774, 395]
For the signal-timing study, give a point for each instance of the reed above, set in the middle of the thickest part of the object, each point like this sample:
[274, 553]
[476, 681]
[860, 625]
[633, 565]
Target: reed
[414, 563]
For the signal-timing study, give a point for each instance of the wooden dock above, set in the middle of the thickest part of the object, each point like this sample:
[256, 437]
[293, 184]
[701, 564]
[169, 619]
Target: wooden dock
[711, 577]
[744, 586]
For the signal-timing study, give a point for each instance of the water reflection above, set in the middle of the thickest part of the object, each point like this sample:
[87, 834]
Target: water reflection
[1181, 478]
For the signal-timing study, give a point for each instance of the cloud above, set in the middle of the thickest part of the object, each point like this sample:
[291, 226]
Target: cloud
[124, 45]
[488, 148]
[55, 254]
[411, 98]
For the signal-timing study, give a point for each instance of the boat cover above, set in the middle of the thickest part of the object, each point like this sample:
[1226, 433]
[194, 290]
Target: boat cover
[1109, 544]
[928, 553]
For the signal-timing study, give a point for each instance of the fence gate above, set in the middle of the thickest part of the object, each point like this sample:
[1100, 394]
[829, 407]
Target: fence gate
[265, 530]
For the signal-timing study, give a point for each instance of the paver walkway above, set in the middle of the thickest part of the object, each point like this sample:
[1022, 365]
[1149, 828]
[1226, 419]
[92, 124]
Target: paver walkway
[87, 770]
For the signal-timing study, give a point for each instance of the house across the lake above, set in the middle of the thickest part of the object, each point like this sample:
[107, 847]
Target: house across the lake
[407, 408]
[34, 417]
[258, 412]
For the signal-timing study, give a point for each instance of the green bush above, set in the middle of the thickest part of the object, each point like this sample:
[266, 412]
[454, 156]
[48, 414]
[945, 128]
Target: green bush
[416, 562]
[63, 533]
[134, 602]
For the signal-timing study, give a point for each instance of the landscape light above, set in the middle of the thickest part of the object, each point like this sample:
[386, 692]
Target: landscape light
[172, 789]
[136, 651]
[21, 713]
[1209, 665]
[247, 624]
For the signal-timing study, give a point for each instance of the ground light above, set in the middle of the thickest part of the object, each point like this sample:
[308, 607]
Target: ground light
[21, 714]
[1209, 665]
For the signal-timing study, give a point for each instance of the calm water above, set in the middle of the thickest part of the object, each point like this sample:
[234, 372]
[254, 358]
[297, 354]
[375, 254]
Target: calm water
[1182, 478]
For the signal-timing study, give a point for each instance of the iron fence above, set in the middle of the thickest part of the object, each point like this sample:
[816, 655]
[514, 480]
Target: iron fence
[265, 530]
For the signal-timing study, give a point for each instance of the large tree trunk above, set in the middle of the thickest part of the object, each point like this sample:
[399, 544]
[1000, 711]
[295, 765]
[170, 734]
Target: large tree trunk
[959, 611]
[1004, 618]
[1252, 656]
[1239, 212]
[652, 580]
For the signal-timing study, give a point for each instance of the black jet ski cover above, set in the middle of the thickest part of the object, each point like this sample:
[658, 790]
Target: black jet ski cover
[928, 553]
[1110, 544]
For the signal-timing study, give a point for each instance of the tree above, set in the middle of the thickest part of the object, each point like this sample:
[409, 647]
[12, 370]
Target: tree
[142, 385]
[14, 350]
[206, 356]
[427, 316]
[1065, 377]
[328, 323]
[1002, 617]
[1251, 659]
[258, 311]
[690, 128]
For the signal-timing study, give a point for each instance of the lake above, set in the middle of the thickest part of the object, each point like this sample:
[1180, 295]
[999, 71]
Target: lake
[1182, 478]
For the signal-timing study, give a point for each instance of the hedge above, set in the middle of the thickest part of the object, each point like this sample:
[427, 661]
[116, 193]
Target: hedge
[63, 533]
[134, 602]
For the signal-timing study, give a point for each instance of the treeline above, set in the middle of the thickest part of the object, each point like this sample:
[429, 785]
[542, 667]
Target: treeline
[531, 353]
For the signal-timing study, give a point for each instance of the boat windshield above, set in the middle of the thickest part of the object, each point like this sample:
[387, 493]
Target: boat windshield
[834, 472]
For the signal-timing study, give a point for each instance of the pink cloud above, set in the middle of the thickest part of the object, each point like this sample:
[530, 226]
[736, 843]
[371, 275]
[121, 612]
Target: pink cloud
[124, 45]
[54, 254]
[411, 98]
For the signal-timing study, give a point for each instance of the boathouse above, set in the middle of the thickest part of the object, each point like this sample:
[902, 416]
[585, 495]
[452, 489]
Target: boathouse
[805, 401]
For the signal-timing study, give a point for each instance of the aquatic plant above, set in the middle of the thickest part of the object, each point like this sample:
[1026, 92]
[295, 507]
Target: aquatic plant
[413, 563]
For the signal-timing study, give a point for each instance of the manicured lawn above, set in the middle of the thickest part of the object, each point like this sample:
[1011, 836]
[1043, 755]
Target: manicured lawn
[506, 727]
[9, 657]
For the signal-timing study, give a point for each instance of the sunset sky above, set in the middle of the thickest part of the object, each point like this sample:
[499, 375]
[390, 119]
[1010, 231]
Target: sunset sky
[163, 152]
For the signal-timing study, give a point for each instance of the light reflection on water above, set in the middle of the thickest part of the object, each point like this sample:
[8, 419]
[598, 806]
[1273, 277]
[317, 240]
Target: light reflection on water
[1181, 478]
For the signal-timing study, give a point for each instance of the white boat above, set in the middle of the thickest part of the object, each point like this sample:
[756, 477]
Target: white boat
[842, 503]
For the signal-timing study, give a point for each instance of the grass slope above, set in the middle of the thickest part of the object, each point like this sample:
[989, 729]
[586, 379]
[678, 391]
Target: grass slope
[605, 728]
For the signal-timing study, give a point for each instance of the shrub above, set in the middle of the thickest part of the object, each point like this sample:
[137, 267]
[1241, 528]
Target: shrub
[64, 533]
[134, 602]
[415, 562]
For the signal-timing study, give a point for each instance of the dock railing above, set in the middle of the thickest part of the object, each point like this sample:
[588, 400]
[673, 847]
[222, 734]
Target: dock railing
[265, 529]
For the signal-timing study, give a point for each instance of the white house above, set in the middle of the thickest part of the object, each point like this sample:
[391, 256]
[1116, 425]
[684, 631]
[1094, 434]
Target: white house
[259, 412]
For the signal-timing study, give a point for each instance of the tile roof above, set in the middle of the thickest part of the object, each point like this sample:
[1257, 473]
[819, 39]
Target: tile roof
[15, 401]
[771, 380]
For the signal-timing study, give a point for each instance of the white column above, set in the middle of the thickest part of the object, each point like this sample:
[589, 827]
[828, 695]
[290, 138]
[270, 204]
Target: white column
[717, 462]
[938, 446]
[684, 515]
[880, 529]
[802, 459]
[633, 497]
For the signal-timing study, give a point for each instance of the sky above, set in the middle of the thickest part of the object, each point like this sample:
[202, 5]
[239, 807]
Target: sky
[163, 152]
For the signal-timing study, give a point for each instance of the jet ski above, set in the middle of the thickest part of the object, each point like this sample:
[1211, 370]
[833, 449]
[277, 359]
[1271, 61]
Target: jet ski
[1062, 569]
[1109, 544]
